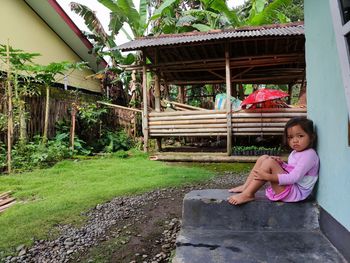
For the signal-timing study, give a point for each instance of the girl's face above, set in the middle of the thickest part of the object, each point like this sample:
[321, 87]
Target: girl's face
[297, 138]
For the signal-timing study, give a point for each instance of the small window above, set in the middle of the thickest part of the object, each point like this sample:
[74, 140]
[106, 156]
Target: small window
[345, 5]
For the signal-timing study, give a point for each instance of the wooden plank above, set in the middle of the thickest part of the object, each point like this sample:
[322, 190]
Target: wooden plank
[274, 114]
[219, 121]
[190, 130]
[6, 201]
[219, 125]
[171, 122]
[183, 105]
[257, 129]
[189, 112]
[188, 134]
[204, 158]
[2, 208]
[5, 194]
[296, 109]
[205, 125]
[189, 117]
[257, 133]
[257, 120]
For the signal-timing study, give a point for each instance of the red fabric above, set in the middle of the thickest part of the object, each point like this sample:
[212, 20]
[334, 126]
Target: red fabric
[262, 95]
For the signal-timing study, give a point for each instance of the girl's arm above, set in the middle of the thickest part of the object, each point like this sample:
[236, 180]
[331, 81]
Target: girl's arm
[306, 161]
[265, 176]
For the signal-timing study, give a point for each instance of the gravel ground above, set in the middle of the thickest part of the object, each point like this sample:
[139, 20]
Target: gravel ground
[143, 228]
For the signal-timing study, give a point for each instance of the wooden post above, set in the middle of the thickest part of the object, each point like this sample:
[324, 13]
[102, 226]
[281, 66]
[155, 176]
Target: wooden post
[157, 105]
[9, 111]
[228, 100]
[72, 128]
[145, 107]
[156, 93]
[46, 117]
[182, 94]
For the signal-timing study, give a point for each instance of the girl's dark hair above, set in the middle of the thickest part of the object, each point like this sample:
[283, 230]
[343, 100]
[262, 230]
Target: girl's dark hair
[306, 124]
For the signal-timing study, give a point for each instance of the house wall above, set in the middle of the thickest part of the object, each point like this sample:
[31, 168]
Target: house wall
[27, 31]
[327, 108]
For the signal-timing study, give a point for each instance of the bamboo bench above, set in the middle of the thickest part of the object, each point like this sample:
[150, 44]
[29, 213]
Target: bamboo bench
[268, 121]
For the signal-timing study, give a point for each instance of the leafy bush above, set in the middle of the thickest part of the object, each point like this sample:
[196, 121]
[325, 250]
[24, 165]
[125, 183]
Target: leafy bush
[35, 154]
[113, 141]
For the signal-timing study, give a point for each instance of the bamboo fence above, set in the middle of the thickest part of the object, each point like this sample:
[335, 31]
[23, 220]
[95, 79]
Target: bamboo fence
[214, 122]
[60, 107]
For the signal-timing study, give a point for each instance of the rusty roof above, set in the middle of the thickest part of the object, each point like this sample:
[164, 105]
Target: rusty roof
[276, 30]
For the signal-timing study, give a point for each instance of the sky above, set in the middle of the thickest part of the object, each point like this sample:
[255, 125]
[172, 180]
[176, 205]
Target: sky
[103, 14]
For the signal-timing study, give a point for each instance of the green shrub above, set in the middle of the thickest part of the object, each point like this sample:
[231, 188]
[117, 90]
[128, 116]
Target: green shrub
[111, 141]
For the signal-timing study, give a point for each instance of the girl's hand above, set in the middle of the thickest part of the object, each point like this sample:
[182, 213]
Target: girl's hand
[277, 159]
[261, 175]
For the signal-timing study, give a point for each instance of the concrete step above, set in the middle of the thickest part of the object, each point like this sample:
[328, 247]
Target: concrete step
[213, 231]
[209, 209]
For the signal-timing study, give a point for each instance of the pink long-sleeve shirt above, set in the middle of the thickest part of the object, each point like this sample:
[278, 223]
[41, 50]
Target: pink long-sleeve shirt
[302, 168]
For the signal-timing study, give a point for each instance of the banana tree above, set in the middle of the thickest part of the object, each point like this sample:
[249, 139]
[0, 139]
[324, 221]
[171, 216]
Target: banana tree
[216, 15]
[99, 37]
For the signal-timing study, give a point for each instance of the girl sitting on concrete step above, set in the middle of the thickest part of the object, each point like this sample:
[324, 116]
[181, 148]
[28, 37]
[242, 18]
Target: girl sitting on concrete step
[289, 182]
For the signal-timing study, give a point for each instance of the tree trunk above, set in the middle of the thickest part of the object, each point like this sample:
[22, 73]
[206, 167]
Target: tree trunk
[46, 118]
[72, 129]
[23, 123]
[9, 110]
[21, 109]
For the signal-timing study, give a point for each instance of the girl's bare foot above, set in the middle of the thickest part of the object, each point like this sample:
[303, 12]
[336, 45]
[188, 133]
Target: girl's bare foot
[240, 199]
[237, 189]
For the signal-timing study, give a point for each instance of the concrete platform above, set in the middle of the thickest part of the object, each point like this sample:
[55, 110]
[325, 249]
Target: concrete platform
[214, 231]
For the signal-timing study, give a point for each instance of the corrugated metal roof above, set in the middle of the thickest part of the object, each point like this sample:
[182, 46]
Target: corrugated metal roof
[244, 32]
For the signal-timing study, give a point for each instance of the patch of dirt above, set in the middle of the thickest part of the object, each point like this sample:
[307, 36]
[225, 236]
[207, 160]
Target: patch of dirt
[150, 236]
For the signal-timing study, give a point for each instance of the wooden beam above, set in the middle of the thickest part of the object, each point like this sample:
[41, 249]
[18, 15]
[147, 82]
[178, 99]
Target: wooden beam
[216, 74]
[228, 100]
[290, 57]
[184, 105]
[118, 106]
[145, 108]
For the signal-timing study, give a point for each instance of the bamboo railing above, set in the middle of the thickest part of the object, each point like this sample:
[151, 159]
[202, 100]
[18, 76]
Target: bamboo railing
[214, 122]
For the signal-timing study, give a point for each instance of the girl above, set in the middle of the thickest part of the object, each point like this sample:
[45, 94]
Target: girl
[289, 182]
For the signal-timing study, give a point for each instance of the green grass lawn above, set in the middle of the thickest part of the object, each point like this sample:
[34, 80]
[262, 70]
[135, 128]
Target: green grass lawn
[60, 194]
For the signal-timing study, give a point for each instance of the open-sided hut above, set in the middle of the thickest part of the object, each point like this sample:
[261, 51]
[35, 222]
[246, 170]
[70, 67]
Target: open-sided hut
[273, 54]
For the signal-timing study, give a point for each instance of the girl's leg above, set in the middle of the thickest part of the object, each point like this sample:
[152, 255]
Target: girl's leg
[268, 165]
[248, 194]
[257, 165]
[273, 167]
